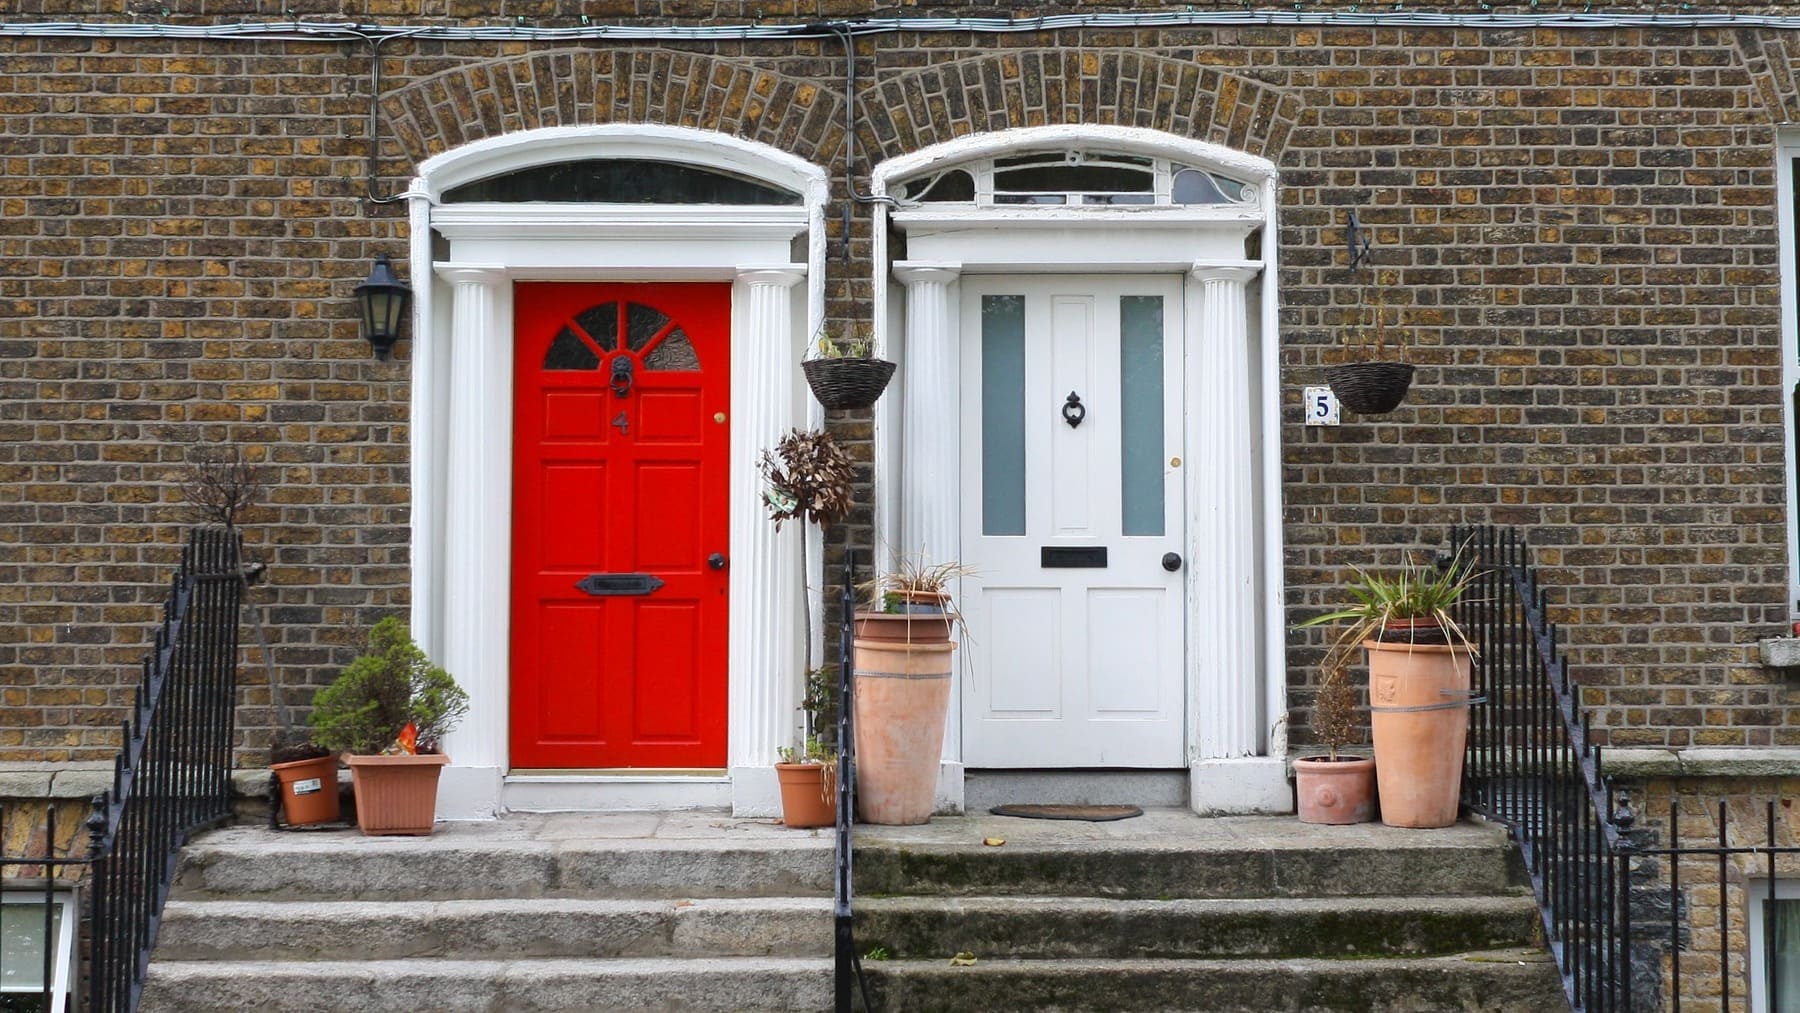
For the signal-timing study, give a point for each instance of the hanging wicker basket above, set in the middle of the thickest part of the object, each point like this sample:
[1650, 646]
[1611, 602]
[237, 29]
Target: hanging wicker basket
[1370, 388]
[847, 382]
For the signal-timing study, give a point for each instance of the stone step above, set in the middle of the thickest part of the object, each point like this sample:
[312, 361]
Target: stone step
[476, 862]
[265, 930]
[1506, 981]
[1226, 858]
[1089, 927]
[480, 986]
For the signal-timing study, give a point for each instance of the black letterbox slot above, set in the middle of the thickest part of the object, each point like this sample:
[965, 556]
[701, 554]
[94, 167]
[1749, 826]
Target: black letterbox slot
[603, 585]
[1071, 557]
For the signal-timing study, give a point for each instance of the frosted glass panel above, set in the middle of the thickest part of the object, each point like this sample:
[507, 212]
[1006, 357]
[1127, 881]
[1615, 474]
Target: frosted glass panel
[1141, 413]
[1002, 414]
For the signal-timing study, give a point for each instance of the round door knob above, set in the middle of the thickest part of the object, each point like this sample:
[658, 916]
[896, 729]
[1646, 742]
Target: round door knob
[716, 560]
[1171, 561]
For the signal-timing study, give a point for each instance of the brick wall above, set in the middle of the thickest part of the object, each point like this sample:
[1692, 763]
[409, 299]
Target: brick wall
[1574, 228]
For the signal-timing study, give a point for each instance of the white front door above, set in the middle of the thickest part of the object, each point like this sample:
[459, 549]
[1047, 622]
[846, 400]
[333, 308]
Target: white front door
[1072, 519]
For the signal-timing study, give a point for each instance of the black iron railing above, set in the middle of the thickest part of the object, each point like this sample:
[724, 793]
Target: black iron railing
[846, 964]
[1530, 765]
[172, 777]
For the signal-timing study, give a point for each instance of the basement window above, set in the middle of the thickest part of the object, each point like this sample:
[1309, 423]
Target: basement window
[37, 941]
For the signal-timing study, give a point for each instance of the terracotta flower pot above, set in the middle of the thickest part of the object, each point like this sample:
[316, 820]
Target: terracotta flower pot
[1419, 718]
[309, 790]
[902, 700]
[808, 794]
[396, 794]
[905, 628]
[1335, 791]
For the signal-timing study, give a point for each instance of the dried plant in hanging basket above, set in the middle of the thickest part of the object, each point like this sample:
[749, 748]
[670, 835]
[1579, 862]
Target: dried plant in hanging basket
[1369, 382]
[1370, 388]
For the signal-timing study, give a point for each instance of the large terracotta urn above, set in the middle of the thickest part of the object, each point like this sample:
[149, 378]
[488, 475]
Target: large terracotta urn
[902, 702]
[1419, 719]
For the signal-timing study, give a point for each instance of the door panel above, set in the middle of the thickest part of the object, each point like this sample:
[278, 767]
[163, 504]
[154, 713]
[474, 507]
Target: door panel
[1072, 666]
[620, 467]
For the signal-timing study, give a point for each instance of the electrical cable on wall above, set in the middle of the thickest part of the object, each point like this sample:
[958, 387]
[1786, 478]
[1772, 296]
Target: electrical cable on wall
[1396, 17]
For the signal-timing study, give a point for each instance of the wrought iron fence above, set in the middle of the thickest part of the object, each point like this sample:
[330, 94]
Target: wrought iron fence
[1530, 766]
[172, 778]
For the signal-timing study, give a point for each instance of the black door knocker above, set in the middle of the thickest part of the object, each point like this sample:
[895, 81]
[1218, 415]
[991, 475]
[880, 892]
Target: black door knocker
[621, 376]
[1074, 411]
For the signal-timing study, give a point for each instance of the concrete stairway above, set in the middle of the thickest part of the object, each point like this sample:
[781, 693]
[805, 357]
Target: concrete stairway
[1169, 912]
[631, 912]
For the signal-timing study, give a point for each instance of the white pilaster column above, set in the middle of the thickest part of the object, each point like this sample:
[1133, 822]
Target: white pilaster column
[426, 426]
[930, 459]
[1223, 585]
[766, 585]
[930, 433]
[478, 523]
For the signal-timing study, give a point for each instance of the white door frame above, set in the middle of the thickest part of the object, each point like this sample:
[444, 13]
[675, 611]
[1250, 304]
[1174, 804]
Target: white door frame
[464, 258]
[1236, 706]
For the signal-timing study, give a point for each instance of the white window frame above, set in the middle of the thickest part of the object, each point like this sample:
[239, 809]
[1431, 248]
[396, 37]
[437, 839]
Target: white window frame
[66, 925]
[1787, 149]
[1757, 891]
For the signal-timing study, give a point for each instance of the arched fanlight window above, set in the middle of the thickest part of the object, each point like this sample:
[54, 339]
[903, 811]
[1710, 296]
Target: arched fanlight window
[620, 181]
[1077, 178]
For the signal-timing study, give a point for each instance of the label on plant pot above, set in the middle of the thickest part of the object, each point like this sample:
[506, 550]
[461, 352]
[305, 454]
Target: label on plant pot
[307, 787]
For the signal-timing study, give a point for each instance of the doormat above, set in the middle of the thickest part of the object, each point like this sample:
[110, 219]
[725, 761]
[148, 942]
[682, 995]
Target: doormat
[1090, 813]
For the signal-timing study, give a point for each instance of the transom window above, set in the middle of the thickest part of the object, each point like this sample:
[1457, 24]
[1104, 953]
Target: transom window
[636, 330]
[620, 181]
[1077, 178]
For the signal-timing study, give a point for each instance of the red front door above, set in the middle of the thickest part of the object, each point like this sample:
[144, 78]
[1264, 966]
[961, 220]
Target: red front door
[620, 524]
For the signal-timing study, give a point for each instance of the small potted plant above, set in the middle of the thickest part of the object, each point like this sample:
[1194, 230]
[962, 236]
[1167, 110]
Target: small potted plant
[305, 783]
[1335, 789]
[388, 712]
[223, 485]
[809, 478]
[808, 772]
[911, 603]
[1420, 663]
[843, 375]
[1370, 380]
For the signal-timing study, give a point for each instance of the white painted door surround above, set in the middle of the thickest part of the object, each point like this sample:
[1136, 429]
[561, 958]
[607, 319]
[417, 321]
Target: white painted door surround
[1233, 712]
[465, 257]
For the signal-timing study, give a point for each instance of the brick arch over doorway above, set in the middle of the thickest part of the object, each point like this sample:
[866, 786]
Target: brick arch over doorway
[578, 87]
[912, 110]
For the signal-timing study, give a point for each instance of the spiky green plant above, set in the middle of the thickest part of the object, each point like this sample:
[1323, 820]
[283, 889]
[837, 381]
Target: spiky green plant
[1422, 591]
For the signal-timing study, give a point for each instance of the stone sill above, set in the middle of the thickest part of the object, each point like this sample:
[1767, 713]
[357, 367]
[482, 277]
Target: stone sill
[55, 780]
[1780, 652]
[1716, 761]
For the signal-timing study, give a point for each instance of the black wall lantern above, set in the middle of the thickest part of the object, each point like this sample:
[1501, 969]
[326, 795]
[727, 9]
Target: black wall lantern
[383, 300]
